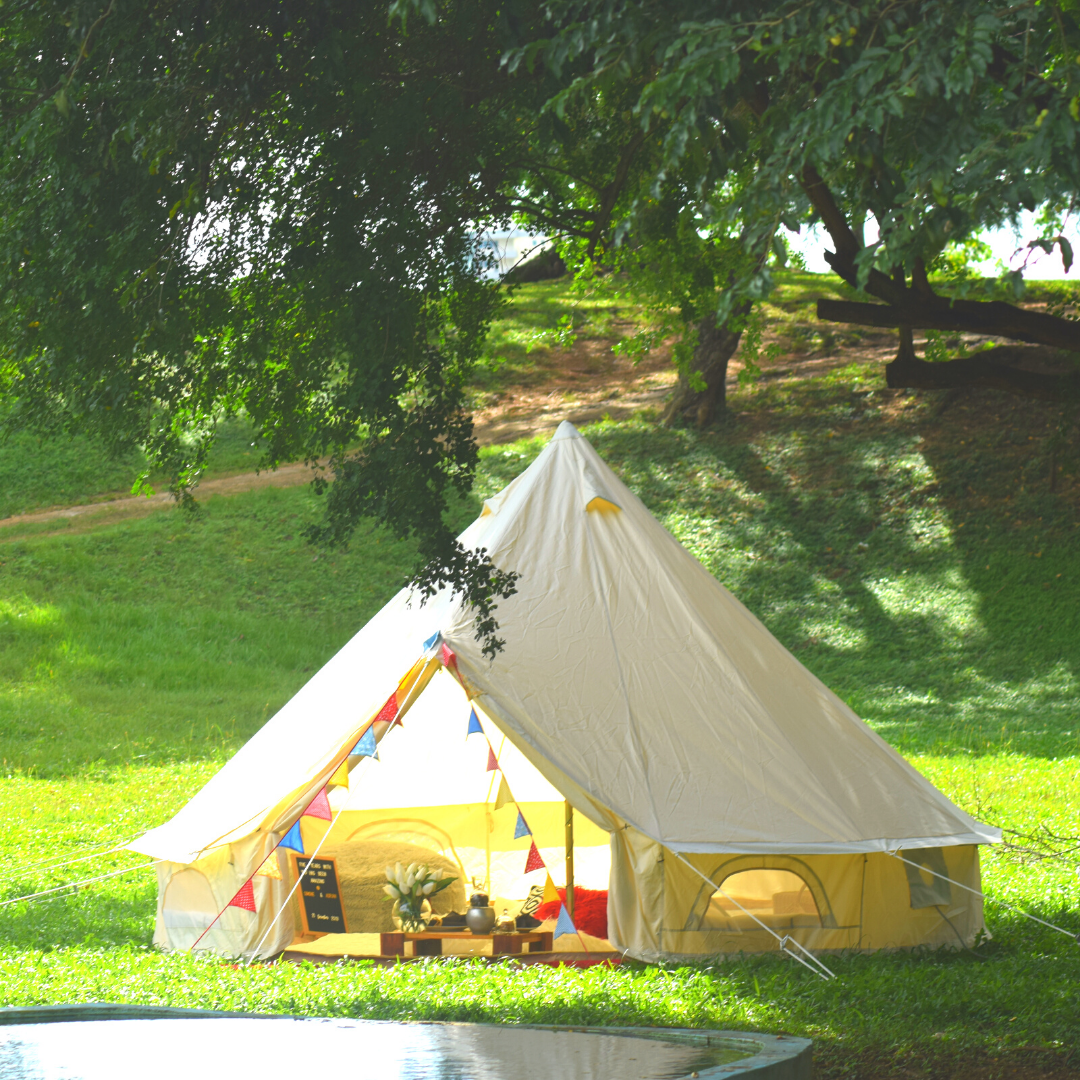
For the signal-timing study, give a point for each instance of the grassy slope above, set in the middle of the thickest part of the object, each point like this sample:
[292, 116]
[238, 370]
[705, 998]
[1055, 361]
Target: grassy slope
[38, 472]
[136, 657]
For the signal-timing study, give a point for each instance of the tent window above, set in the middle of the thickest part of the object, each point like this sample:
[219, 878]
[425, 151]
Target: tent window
[927, 889]
[776, 897]
[189, 903]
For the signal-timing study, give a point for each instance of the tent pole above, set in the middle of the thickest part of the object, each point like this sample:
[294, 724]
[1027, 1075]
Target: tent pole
[569, 840]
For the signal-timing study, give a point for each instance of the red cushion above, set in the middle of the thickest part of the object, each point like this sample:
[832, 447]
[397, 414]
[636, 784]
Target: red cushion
[590, 910]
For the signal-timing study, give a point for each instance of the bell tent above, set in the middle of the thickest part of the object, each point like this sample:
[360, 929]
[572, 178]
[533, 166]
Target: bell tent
[725, 798]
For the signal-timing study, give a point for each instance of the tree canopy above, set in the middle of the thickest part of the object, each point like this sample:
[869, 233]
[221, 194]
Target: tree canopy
[211, 207]
[939, 119]
[220, 206]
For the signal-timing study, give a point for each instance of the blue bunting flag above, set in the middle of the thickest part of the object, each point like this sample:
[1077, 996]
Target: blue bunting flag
[293, 840]
[564, 925]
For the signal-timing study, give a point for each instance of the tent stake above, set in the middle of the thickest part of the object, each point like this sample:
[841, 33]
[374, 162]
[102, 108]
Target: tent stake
[569, 840]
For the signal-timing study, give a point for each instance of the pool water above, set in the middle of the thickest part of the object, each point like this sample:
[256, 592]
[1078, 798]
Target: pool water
[205, 1049]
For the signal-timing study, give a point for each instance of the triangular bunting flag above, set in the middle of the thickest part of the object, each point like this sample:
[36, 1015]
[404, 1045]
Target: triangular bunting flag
[493, 761]
[319, 807]
[245, 898]
[564, 924]
[550, 892]
[293, 840]
[448, 658]
[388, 713]
[432, 641]
[340, 778]
[474, 725]
[521, 829]
[270, 868]
[504, 795]
[533, 862]
[366, 746]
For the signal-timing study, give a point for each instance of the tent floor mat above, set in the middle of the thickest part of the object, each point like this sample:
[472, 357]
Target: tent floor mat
[552, 959]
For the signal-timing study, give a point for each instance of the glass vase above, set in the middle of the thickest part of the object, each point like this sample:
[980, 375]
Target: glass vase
[411, 914]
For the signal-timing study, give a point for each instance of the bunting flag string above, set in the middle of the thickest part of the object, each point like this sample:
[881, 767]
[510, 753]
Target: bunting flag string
[550, 892]
[474, 724]
[534, 861]
[319, 807]
[493, 761]
[449, 659]
[366, 747]
[293, 839]
[564, 924]
[388, 714]
[270, 868]
[340, 778]
[521, 828]
[504, 795]
[245, 898]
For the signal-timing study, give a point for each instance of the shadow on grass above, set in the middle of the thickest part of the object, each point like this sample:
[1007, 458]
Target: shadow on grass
[862, 541]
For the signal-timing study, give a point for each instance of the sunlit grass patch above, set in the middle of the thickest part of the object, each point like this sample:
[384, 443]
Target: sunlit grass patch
[926, 576]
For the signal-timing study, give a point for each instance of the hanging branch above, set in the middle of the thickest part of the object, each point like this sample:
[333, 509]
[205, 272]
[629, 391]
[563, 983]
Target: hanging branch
[918, 307]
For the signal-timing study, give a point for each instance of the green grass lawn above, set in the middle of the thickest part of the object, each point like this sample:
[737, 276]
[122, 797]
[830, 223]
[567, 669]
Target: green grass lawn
[920, 566]
[39, 472]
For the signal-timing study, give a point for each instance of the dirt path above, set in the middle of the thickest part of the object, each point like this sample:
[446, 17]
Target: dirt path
[582, 384]
[108, 510]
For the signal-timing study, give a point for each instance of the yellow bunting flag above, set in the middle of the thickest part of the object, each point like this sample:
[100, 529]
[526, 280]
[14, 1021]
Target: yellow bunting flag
[340, 778]
[270, 867]
[504, 795]
[550, 892]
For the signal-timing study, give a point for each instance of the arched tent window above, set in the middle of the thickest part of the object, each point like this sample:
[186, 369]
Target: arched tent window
[781, 890]
[776, 897]
[188, 907]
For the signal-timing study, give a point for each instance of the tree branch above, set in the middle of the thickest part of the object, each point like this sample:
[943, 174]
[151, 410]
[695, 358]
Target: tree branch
[992, 369]
[992, 318]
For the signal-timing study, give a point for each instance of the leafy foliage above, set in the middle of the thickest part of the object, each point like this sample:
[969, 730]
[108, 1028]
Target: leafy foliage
[939, 120]
[221, 207]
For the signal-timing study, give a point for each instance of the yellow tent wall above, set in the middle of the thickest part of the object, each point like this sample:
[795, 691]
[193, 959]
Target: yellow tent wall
[660, 907]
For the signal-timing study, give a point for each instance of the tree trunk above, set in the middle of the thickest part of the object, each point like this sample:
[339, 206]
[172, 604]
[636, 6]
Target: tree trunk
[716, 346]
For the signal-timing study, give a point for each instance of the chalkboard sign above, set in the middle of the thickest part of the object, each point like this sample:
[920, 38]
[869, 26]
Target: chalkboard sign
[320, 897]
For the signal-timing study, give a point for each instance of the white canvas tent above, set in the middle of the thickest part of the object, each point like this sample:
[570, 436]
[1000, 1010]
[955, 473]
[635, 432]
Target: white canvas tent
[726, 794]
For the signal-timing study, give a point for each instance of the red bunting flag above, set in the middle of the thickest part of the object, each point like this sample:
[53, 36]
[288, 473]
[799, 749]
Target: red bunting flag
[493, 761]
[319, 807]
[448, 658]
[533, 862]
[245, 898]
[388, 713]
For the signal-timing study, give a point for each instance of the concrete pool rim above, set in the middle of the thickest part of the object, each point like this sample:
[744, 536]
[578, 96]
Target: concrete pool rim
[773, 1057]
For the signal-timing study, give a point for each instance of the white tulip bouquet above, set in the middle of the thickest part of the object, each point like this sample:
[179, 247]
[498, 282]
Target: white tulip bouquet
[410, 887]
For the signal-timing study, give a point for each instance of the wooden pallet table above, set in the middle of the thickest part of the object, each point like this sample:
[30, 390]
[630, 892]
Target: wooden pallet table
[429, 943]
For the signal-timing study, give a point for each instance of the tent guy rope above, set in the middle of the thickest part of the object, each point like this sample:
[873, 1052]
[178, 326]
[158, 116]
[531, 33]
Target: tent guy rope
[57, 864]
[983, 896]
[782, 942]
[296, 885]
[77, 884]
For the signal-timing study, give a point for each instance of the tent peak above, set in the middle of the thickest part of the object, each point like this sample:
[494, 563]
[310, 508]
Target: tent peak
[566, 430]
